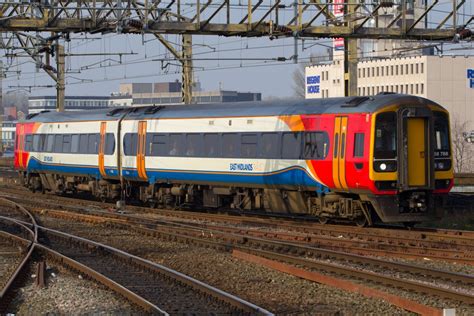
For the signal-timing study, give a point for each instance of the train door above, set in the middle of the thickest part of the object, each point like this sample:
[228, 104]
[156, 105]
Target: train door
[103, 133]
[339, 152]
[416, 128]
[141, 150]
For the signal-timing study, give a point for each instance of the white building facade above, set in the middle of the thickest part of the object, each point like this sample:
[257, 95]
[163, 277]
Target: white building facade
[447, 80]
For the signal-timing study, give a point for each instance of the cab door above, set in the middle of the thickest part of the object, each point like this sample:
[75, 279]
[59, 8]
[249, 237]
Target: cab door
[339, 152]
[141, 150]
[416, 141]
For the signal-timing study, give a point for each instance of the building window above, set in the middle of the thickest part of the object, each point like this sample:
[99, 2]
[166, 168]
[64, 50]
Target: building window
[327, 75]
[382, 70]
[406, 88]
[373, 71]
[422, 68]
[422, 87]
[406, 69]
[396, 70]
[411, 88]
[358, 72]
[411, 69]
[417, 68]
[322, 76]
[401, 69]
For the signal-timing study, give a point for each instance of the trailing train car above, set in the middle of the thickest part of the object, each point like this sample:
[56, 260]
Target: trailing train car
[362, 159]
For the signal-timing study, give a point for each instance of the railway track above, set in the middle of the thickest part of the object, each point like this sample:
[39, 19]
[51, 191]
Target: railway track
[446, 245]
[16, 249]
[155, 288]
[438, 283]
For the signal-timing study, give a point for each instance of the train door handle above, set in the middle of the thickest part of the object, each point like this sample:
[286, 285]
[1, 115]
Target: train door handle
[422, 154]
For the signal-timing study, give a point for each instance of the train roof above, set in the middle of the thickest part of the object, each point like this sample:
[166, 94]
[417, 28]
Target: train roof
[235, 109]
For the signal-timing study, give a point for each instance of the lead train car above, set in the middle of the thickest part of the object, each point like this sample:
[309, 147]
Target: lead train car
[362, 159]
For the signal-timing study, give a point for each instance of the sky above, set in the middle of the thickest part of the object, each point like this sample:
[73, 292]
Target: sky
[252, 67]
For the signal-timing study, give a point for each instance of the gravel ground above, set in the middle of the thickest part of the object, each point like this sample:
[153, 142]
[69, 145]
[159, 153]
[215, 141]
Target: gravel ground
[68, 293]
[280, 293]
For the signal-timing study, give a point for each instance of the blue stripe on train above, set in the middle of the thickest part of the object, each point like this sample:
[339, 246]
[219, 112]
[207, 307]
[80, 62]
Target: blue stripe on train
[291, 177]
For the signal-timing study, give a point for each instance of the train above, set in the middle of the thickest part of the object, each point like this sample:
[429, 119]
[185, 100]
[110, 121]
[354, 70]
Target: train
[383, 158]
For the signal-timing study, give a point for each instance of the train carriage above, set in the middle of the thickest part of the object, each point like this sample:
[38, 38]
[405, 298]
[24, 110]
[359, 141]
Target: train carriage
[363, 159]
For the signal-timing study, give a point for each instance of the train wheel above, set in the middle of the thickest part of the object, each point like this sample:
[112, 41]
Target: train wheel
[323, 220]
[361, 221]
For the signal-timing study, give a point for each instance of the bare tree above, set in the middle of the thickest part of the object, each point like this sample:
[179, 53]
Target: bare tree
[462, 150]
[299, 78]
[299, 81]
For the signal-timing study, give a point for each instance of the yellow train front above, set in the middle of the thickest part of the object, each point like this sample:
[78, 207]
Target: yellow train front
[410, 161]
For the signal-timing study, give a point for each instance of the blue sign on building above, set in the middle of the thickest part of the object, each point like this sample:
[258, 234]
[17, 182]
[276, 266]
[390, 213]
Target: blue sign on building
[470, 78]
[312, 83]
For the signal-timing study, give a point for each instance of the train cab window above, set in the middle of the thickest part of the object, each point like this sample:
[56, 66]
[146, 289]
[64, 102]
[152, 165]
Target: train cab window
[386, 136]
[316, 145]
[109, 144]
[75, 143]
[441, 129]
[58, 143]
[269, 145]
[248, 146]
[230, 143]
[194, 145]
[359, 144]
[83, 141]
[211, 145]
[67, 144]
[28, 142]
[291, 145]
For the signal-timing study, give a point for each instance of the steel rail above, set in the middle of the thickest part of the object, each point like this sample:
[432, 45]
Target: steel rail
[209, 290]
[388, 237]
[30, 246]
[233, 241]
[422, 236]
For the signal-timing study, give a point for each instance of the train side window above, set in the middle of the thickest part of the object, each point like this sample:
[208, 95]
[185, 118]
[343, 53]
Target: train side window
[248, 147]
[109, 144]
[159, 145]
[316, 145]
[130, 144]
[269, 145]
[92, 144]
[83, 140]
[36, 143]
[359, 144]
[50, 143]
[176, 144]
[28, 142]
[230, 143]
[343, 144]
[211, 145]
[336, 144]
[67, 143]
[194, 145]
[42, 143]
[291, 145]
[75, 143]
[58, 143]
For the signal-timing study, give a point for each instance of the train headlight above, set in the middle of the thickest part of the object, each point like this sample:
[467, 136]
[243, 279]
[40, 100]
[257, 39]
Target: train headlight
[442, 164]
[385, 166]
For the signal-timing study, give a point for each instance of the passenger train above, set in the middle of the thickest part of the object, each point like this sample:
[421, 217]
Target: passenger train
[361, 159]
